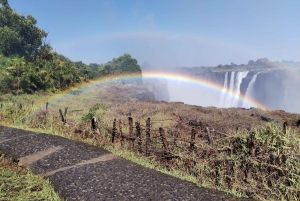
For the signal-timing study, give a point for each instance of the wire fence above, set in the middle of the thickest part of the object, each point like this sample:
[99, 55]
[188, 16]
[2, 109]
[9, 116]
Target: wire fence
[167, 142]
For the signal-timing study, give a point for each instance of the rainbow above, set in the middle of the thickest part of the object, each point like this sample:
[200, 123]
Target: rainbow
[165, 75]
[203, 83]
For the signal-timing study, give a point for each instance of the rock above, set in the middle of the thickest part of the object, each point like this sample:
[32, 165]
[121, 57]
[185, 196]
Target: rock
[266, 118]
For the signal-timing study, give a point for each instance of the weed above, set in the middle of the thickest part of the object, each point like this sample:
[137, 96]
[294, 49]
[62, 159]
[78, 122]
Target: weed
[93, 110]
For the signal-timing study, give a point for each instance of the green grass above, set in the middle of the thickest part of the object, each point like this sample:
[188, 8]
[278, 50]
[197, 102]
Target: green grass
[17, 183]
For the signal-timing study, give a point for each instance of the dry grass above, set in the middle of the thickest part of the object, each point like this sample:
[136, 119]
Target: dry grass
[18, 183]
[269, 172]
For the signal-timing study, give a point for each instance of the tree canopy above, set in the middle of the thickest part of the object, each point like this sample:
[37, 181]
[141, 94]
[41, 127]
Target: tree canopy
[28, 63]
[19, 35]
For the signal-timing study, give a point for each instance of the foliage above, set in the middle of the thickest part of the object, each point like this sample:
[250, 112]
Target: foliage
[19, 35]
[51, 72]
[18, 183]
[261, 63]
[93, 110]
[28, 64]
[5, 61]
[125, 64]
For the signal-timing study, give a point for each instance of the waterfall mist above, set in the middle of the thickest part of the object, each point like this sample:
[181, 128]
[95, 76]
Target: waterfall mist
[225, 86]
[180, 91]
[250, 93]
[275, 89]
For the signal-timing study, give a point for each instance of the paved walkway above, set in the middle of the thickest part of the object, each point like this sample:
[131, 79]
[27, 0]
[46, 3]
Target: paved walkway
[80, 171]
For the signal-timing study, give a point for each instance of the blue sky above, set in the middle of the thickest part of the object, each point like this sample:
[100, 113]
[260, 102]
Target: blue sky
[169, 33]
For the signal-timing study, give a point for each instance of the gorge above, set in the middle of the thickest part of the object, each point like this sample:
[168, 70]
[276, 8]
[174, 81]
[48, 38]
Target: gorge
[275, 87]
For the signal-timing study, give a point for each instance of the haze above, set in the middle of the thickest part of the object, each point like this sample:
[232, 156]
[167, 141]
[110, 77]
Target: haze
[169, 33]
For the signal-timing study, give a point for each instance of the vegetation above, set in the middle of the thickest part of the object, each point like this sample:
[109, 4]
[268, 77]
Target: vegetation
[271, 173]
[28, 64]
[259, 177]
[19, 34]
[47, 71]
[18, 183]
[259, 64]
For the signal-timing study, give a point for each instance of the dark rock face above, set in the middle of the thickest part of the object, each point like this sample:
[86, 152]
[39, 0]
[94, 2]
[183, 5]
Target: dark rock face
[278, 89]
[216, 77]
[245, 83]
[269, 88]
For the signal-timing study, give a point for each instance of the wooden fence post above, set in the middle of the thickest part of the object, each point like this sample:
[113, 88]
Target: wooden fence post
[61, 116]
[210, 141]
[94, 124]
[65, 114]
[193, 137]
[114, 130]
[130, 133]
[121, 133]
[47, 104]
[285, 125]
[164, 140]
[138, 135]
[147, 136]
[252, 144]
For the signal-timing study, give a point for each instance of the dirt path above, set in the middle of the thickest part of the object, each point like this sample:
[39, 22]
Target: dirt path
[83, 172]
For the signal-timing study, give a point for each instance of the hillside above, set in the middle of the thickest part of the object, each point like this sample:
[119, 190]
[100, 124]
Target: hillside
[232, 150]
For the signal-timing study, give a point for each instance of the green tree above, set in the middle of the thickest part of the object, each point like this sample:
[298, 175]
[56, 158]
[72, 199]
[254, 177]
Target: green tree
[251, 63]
[4, 87]
[94, 70]
[108, 68]
[125, 63]
[4, 3]
[15, 72]
[19, 35]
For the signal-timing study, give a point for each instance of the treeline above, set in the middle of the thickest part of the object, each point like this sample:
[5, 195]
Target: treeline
[28, 63]
[262, 63]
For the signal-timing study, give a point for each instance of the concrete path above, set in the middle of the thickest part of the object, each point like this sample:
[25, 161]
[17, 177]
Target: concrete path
[80, 171]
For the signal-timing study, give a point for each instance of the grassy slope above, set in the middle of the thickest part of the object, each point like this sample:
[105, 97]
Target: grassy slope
[18, 183]
[120, 100]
